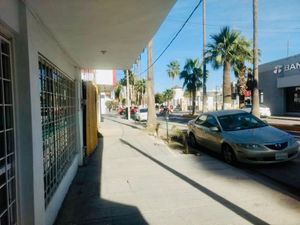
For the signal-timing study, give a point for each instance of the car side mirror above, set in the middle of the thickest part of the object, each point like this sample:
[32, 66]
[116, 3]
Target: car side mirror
[215, 129]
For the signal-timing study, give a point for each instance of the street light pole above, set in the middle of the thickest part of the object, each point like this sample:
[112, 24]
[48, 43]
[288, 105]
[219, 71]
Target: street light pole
[255, 93]
[128, 99]
[204, 102]
[217, 98]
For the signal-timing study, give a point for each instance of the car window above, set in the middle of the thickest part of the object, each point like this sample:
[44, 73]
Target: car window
[201, 119]
[240, 121]
[143, 110]
[210, 122]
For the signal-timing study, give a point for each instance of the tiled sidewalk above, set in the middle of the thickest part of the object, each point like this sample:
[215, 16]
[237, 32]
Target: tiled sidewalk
[134, 178]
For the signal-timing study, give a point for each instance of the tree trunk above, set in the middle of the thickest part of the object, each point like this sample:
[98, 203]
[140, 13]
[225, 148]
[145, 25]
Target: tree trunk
[151, 122]
[242, 87]
[242, 100]
[194, 101]
[255, 99]
[226, 86]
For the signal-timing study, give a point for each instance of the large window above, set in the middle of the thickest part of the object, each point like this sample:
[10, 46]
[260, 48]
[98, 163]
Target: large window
[7, 144]
[58, 124]
[293, 99]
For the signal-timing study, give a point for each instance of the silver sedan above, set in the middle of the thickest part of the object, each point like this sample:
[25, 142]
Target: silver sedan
[240, 136]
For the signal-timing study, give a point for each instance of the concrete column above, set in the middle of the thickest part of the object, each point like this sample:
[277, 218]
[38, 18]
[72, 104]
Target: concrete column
[23, 124]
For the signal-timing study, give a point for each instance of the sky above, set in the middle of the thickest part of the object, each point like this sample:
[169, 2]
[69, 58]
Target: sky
[278, 28]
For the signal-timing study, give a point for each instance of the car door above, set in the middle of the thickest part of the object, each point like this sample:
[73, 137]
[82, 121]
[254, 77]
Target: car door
[212, 138]
[198, 128]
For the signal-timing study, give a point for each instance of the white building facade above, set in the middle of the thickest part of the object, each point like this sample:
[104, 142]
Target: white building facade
[42, 53]
[279, 84]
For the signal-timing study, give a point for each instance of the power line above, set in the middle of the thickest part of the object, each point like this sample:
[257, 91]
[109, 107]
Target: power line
[175, 36]
[239, 26]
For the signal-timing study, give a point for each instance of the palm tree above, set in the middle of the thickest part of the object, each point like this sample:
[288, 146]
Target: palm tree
[239, 67]
[173, 69]
[240, 74]
[225, 50]
[118, 89]
[151, 122]
[140, 87]
[255, 95]
[192, 75]
[168, 95]
[131, 80]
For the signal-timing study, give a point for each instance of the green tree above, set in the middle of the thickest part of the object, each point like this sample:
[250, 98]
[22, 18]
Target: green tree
[118, 89]
[132, 78]
[140, 88]
[239, 68]
[226, 49]
[109, 104]
[192, 75]
[159, 98]
[173, 69]
[168, 95]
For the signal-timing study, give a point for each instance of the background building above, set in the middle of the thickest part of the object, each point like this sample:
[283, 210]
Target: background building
[279, 84]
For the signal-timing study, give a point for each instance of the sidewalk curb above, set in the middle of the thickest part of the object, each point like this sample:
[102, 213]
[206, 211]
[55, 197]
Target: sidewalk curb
[285, 127]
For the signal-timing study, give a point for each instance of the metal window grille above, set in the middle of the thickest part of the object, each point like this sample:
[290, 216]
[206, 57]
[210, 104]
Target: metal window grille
[7, 143]
[58, 124]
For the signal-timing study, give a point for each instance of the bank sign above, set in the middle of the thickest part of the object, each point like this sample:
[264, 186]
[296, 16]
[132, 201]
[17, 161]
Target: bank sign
[286, 68]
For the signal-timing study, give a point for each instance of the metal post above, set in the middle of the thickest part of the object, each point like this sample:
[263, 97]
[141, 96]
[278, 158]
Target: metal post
[216, 98]
[204, 106]
[255, 94]
[167, 119]
[128, 99]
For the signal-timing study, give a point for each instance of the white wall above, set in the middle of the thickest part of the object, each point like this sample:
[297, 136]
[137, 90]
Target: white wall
[105, 77]
[41, 41]
[9, 13]
[13, 26]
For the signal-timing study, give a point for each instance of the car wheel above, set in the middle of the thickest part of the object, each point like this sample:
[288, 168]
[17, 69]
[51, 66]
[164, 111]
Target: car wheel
[228, 155]
[192, 140]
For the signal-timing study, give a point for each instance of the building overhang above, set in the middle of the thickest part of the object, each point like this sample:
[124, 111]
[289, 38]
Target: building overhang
[102, 34]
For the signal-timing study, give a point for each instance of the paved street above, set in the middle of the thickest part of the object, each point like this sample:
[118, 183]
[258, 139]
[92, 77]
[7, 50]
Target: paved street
[181, 121]
[134, 178]
[286, 174]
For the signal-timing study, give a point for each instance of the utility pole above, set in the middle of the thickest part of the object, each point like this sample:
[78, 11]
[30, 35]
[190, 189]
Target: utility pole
[255, 100]
[128, 98]
[287, 48]
[151, 122]
[204, 106]
[217, 98]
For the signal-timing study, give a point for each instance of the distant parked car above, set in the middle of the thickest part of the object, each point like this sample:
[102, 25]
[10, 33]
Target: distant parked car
[121, 110]
[164, 109]
[240, 136]
[142, 114]
[133, 111]
[263, 110]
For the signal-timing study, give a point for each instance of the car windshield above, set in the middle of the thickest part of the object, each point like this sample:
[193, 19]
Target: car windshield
[143, 110]
[240, 121]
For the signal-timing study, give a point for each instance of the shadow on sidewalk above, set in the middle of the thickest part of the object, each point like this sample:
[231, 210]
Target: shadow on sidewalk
[83, 204]
[226, 203]
[282, 177]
